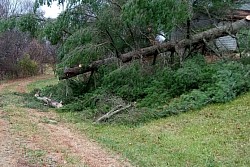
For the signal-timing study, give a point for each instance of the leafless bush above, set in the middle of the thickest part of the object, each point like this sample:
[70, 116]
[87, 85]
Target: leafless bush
[15, 45]
[15, 7]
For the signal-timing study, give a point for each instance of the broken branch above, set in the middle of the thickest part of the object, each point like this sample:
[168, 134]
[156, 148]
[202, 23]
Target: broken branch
[112, 112]
[48, 101]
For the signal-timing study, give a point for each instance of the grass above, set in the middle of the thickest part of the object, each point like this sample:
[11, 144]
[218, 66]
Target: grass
[217, 135]
[42, 83]
[35, 157]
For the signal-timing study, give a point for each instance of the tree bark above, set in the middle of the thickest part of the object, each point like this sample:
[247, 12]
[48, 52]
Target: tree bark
[112, 112]
[71, 72]
[238, 14]
[48, 101]
[160, 48]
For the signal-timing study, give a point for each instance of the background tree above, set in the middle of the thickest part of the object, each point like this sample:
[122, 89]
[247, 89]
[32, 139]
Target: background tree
[15, 7]
[22, 39]
[12, 44]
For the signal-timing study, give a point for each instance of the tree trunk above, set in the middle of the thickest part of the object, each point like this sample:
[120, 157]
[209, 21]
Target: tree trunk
[71, 72]
[168, 46]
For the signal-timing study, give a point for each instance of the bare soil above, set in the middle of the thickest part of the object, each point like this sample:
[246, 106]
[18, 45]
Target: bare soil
[30, 138]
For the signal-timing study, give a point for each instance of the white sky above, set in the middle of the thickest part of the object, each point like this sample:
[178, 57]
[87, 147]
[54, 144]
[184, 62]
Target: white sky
[53, 11]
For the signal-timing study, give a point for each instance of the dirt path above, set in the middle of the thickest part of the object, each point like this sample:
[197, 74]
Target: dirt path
[6, 147]
[31, 138]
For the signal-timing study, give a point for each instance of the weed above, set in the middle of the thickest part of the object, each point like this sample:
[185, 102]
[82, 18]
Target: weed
[35, 156]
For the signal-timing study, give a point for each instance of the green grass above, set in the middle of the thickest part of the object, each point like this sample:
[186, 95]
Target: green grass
[35, 157]
[42, 83]
[217, 135]
[30, 101]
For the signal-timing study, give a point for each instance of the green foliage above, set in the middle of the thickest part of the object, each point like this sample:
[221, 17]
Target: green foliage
[52, 31]
[31, 102]
[228, 80]
[159, 14]
[167, 83]
[188, 77]
[128, 82]
[245, 60]
[27, 66]
[67, 91]
[215, 7]
[29, 23]
[243, 37]
[193, 100]
[93, 104]
[7, 24]
[78, 49]
[158, 91]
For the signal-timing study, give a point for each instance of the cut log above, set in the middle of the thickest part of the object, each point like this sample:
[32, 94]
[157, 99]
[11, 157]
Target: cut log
[71, 72]
[238, 14]
[48, 101]
[208, 35]
[248, 18]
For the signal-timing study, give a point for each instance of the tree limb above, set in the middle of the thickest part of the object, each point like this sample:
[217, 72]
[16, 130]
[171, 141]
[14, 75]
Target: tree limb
[112, 112]
[48, 101]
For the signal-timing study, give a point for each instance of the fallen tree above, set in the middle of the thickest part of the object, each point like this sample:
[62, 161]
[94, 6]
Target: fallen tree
[71, 72]
[207, 35]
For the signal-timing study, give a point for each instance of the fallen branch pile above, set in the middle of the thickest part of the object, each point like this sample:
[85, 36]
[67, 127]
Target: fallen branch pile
[48, 101]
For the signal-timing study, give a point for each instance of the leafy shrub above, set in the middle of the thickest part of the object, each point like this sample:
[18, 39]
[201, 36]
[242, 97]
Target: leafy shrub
[229, 80]
[193, 100]
[128, 82]
[187, 78]
[167, 83]
[27, 66]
